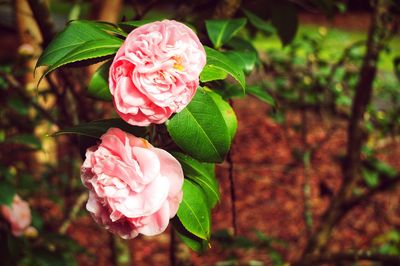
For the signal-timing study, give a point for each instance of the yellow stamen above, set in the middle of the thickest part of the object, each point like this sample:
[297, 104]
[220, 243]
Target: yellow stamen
[146, 143]
[178, 67]
[178, 63]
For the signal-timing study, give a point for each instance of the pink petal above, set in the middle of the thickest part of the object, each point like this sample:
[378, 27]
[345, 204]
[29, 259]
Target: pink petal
[174, 203]
[114, 141]
[155, 223]
[149, 163]
[127, 98]
[146, 202]
[137, 119]
[171, 169]
[124, 172]
[92, 204]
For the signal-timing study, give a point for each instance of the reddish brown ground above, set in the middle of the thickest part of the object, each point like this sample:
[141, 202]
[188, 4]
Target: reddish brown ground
[269, 196]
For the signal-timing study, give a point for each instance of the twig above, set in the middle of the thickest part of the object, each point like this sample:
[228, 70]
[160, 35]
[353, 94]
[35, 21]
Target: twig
[42, 15]
[308, 215]
[308, 219]
[73, 213]
[44, 20]
[19, 89]
[356, 135]
[335, 67]
[342, 60]
[385, 184]
[113, 248]
[172, 248]
[232, 191]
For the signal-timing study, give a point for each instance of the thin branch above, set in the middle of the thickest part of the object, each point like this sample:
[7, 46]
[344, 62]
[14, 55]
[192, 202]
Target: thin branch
[342, 60]
[44, 20]
[113, 248]
[308, 212]
[232, 191]
[19, 89]
[385, 184]
[356, 135]
[74, 212]
[308, 217]
[172, 248]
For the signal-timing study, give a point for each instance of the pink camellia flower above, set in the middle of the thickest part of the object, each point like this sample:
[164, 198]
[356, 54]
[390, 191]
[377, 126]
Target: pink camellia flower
[18, 215]
[133, 187]
[156, 72]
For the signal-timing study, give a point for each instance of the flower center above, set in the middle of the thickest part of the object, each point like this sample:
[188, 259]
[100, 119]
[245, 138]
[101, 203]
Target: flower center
[178, 63]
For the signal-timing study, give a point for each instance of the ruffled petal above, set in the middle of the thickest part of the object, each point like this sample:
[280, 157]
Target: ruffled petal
[171, 169]
[156, 223]
[146, 202]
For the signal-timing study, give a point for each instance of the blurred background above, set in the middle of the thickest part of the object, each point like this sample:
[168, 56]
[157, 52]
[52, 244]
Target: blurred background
[315, 160]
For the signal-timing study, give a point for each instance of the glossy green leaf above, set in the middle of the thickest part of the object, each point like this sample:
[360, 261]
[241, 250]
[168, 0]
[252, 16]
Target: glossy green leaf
[219, 61]
[76, 34]
[220, 31]
[211, 73]
[90, 50]
[285, 20]
[261, 93]
[195, 243]
[259, 23]
[193, 211]
[98, 86]
[241, 44]
[227, 113]
[230, 91]
[80, 40]
[210, 167]
[200, 129]
[109, 27]
[96, 129]
[245, 60]
[199, 173]
[7, 192]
